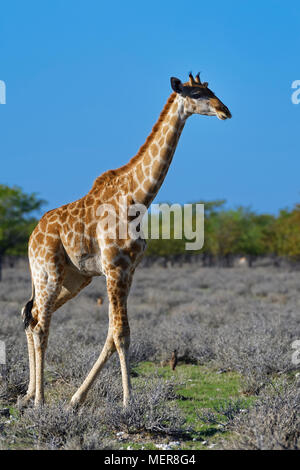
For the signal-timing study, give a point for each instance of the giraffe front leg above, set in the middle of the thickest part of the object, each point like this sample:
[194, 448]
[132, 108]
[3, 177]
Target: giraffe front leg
[118, 288]
[118, 338]
[122, 342]
[108, 349]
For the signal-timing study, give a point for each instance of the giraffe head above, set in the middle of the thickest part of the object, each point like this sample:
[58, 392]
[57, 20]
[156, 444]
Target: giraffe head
[199, 99]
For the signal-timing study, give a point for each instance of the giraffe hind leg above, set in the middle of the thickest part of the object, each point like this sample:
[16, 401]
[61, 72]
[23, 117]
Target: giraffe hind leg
[23, 401]
[72, 284]
[66, 285]
[45, 306]
[28, 321]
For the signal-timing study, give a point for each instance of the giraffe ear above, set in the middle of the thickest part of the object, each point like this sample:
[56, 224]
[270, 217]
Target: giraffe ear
[176, 85]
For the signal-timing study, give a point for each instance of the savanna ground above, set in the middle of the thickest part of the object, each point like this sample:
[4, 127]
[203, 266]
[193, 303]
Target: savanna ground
[235, 386]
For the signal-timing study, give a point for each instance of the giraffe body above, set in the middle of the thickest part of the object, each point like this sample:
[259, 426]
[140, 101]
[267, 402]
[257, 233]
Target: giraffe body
[68, 246]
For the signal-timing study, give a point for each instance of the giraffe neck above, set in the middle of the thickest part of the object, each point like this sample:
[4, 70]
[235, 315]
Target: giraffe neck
[149, 167]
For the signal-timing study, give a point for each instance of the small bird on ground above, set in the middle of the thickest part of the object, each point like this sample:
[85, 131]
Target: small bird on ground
[174, 360]
[99, 301]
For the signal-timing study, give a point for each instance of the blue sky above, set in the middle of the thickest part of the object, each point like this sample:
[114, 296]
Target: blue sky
[86, 81]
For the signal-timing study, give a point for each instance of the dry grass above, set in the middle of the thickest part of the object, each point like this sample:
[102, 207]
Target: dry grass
[234, 319]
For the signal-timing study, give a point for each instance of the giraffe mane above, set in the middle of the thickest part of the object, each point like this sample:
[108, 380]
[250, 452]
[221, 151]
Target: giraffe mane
[155, 128]
[108, 176]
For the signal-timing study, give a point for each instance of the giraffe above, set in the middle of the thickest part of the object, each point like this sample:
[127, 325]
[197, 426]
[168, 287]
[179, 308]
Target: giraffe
[67, 249]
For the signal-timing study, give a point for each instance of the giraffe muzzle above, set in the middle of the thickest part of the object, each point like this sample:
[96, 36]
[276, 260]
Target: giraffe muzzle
[223, 113]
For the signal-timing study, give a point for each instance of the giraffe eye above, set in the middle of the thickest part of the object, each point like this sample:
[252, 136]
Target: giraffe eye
[196, 93]
[197, 96]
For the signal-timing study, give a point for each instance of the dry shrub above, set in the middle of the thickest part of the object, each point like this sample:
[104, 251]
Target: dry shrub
[242, 320]
[272, 423]
[150, 410]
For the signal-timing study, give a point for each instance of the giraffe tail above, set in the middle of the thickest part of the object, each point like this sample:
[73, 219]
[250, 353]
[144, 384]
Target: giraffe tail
[26, 310]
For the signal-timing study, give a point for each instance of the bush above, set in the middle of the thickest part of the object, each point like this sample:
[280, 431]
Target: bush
[149, 410]
[273, 423]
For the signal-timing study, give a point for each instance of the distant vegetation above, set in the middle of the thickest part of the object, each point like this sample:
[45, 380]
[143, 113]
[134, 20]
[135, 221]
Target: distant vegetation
[16, 219]
[240, 231]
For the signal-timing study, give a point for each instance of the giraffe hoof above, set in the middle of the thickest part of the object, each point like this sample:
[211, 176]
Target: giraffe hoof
[23, 401]
[39, 403]
[127, 402]
[72, 407]
[74, 403]
[77, 400]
